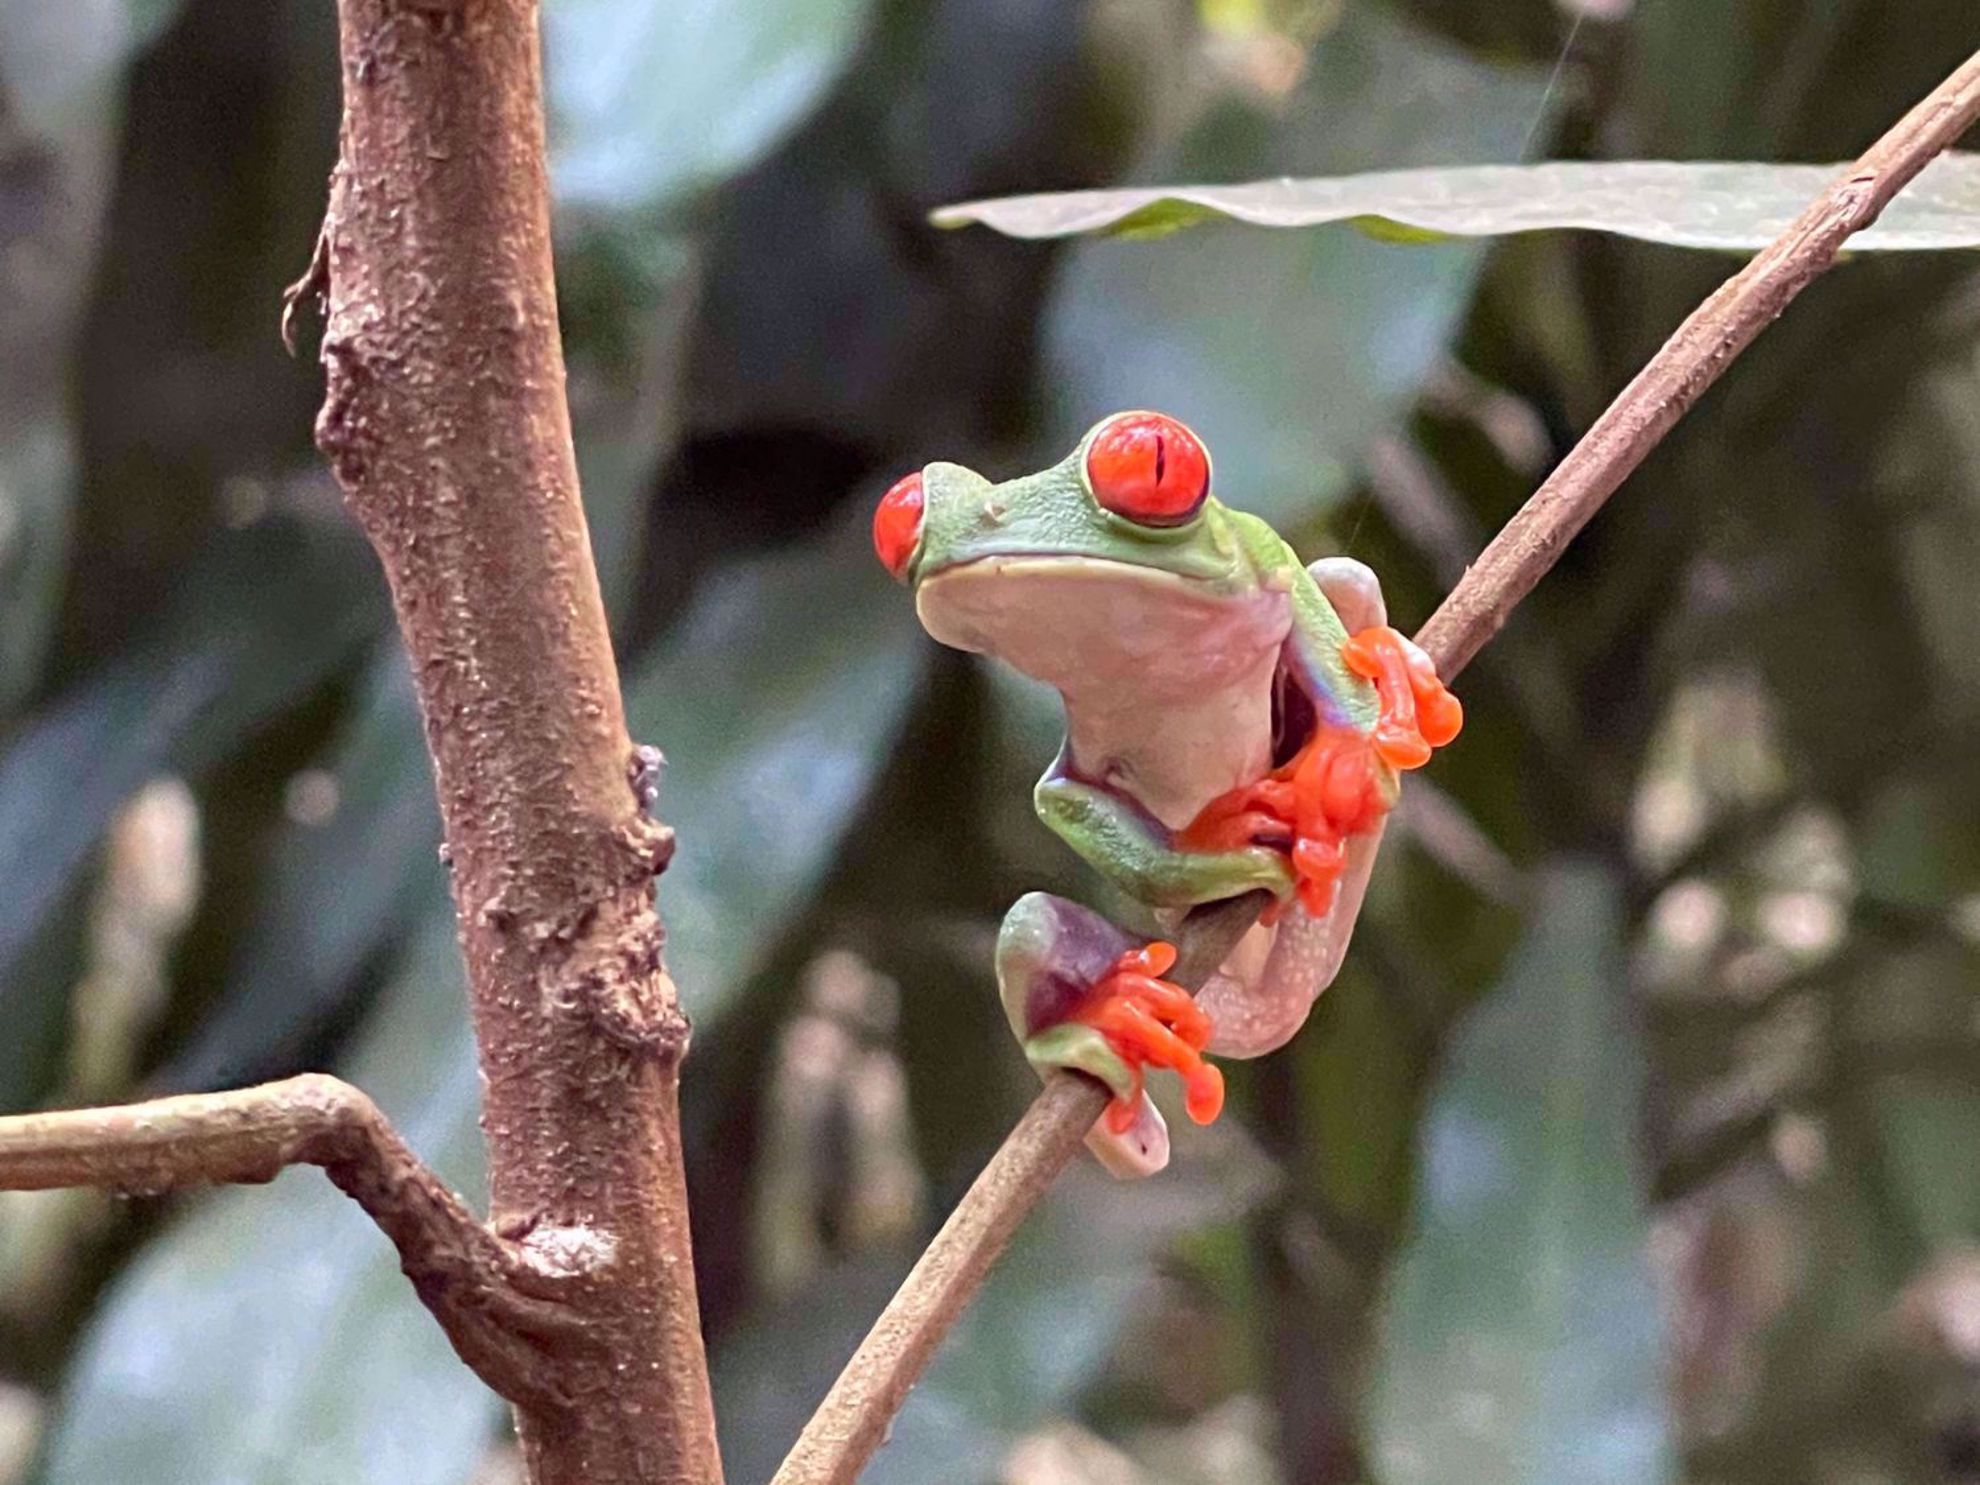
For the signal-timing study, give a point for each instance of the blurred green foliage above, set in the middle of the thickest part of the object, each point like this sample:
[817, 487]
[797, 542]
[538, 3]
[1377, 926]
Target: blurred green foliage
[1636, 1140]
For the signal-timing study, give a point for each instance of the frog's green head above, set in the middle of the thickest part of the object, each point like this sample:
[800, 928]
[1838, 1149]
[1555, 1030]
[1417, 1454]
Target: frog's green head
[1115, 547]
[1133, 492]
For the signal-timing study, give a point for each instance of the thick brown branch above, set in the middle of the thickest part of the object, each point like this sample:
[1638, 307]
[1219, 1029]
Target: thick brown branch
[445, 422]
[852, 1420]
[499, 1315]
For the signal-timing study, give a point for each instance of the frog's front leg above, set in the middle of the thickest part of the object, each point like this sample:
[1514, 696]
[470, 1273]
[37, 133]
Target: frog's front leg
[1354, 592]
[1140, 855]
[1333, 795]
[1083, 994]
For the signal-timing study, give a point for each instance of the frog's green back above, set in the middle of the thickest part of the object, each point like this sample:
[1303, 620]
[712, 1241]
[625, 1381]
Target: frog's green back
[1318, 633]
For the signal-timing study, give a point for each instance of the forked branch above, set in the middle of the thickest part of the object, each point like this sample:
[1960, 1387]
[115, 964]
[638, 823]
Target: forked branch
[502, 1316]
[853, 1419]
[445, 423]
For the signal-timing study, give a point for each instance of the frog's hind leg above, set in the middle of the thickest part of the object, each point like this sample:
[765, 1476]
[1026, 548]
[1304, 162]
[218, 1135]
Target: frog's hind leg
[1262, 994]
[1051, 953]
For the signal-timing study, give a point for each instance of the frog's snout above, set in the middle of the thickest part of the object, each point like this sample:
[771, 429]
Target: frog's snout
[897, 525]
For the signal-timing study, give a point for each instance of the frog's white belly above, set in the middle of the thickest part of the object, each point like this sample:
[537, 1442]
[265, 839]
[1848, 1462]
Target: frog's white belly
[1168, 690]
[1167, 682]
[1176, 757]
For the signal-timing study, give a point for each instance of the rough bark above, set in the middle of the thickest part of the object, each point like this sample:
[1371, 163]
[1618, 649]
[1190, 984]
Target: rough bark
[445, 422]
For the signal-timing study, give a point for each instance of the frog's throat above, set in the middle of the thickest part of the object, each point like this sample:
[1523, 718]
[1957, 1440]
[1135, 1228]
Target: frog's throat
[995, 581]
[1056, 616]
[1167, 681]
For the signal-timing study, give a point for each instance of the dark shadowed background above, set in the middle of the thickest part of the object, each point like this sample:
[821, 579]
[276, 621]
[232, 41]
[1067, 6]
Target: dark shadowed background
[1638, 1140]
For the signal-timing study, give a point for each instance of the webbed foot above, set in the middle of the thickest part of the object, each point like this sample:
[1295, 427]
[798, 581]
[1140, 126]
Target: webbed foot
[1341, 782]
[1082, 994]
[1150, 1022]
[1418, 712]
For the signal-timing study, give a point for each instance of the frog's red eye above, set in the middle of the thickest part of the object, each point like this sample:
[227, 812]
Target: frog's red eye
[1148, 468]
[897, 524]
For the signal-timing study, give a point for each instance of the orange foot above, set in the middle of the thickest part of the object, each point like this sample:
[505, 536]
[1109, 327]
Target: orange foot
[1149, 1021]
[1418, 713]
[1341, 782]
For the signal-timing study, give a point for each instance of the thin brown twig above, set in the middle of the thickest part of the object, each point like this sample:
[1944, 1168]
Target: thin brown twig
[853, 1419]
[497, 1310]
[954, 1265]
[1416, 500]
[1689, 363]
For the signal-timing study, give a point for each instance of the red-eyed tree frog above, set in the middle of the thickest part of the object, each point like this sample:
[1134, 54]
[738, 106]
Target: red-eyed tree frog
[1234, 721]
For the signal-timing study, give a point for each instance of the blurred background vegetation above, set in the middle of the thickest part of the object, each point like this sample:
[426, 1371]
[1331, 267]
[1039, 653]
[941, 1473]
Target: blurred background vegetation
[1636, 1143]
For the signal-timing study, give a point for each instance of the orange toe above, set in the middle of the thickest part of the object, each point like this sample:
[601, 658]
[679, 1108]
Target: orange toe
[1150, 1022]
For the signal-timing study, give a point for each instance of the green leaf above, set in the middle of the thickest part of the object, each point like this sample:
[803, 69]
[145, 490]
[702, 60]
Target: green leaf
[37, 472]
[58, 63]
[628, 295]
[1361, 1072]
[336, 893]
[1290, 352]
[1918, 840]
[1729, 206]
[1037, 1335]
[771, 1370]
[268, 1335]
[654, 99]
[261, 621]
[60, 67]
[1522, 1342]
[777, 700]
[1025, 722]
[34, 1006]
[1926, 1125]
[148, 19]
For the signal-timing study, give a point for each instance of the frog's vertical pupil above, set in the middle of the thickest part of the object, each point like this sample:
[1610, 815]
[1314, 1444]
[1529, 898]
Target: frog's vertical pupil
[1148, 468]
